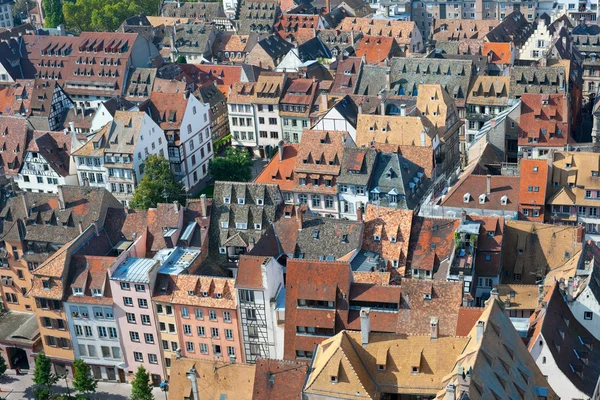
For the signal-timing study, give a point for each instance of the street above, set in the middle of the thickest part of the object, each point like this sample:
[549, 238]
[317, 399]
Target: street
[20, 387]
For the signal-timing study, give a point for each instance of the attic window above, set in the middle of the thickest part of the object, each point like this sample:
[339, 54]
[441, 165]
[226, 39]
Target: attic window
[222, 250]
[204, 294]
[190, 292]
[594, 173]
[482, 199]
[535, 169]
[77, 291]
[226, 200]
[568, 165]
[333, 379]
[287, 214]
[259, 202]
[345, 238]
[393, 239]
[466, 197]
[415, 370]
[490, 234]
[46, 284]
[219, 295]
[241, 200]
[97, 292]
[376, 238]
[426, 296]
[257, 227]
[380, 367]
[315, 234]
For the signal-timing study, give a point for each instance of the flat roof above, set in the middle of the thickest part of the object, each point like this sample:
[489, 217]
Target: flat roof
[134, 269]
[19, 327]
[469, 227]
[175, 261]
[521, 326]
[366, 261]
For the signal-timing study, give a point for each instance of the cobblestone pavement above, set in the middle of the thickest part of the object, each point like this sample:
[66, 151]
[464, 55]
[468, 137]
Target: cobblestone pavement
[20, 387]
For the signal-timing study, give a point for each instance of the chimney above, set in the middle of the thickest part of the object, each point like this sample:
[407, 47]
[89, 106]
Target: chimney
[365, 325]
[423, 140]
[382, 107]
[570, 289]
[489, 184]
[80, 227]
[359, 214]
[178, 354]
[61, 198]
[494, 295]
[72, 126]
[435, 327]
[480, 326]
[186, 94]
[299, 217]
[324, 103]
[450, 392]
[191, 375]
[176, 206]
[327, 6]
[580, 233]
[203, 205]
[359, 105]
[387, 80]
[95, 224]
[403, 110]
[280, 150]
[25, 196]
[463, 216]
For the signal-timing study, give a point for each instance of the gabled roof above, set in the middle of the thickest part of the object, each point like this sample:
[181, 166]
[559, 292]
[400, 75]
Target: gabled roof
[574, 349]
[397, 130]
[328, 239]
[13, 142]
[533, 173]
[280, 172]
[400, 31]
[393, 228]
[461, 29]
[431, 245]
[468, 191]
[545, 120]
[55, 148]
[375, 49]
[346, 77]
[278, 379]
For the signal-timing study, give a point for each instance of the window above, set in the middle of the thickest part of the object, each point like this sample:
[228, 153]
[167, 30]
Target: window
[226, 316]
[189, 346]
[138, 356]
[98, 314]
[88, 331]
[128, 301]
[588, 315]
[228, 334]
[105, 351]
[203, 348]
[149, 338]
[159, 309]
[187, 329]
[201, 331]
[102, 332]
[145, 319]
[184, 312]
[199, 313]
[130, 318]
[134, 336]
[78, 330]
[143, 303]
[165, 345]
[140, 288]
[212, 315]
[214, 332]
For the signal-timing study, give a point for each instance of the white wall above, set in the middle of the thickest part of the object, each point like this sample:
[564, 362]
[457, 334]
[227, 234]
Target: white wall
[557, 380]
[266, 114]
[586, 301]
[249, 129]
[352, 197]
[540, 33]
[334, 121]
[50, 179]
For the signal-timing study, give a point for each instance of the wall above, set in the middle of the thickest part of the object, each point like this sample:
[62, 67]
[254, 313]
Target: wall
[25, 304]
[249, 129]
[334, 121]
[586, 301]
[274, 134]
[166, 334]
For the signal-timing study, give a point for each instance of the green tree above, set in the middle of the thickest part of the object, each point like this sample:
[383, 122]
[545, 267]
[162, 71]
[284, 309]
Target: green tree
[104, 15]
[82, 378]
[158, 185]
[141, 388]
[181, 60]
[43, 377]
[3, 366]
[235, 166]
[53, 12]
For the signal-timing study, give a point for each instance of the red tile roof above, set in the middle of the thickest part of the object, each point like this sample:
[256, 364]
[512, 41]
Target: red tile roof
[346, 76]
[534, 173]
[467, 317]
[13, 143]
[169, 107]
[476, 185]
[545, 120]
[375, 49]
[501, 52]
[278, 379]
[431, 242]
[280, 172]
[249, 274]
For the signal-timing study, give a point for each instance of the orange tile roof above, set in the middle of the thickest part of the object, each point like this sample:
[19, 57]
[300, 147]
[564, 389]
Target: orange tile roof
[280, 172]
[375, 49]
[250, 272]
[393, 228]
[533, 173]
[501, 52]
[199, 284]
[467, 316]
[401, 31]
[545, 120]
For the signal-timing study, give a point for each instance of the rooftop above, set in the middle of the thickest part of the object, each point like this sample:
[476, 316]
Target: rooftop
[134, 269]
[177, 260]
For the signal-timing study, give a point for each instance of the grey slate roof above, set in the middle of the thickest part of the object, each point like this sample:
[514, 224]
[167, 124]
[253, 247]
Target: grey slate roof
[193, 38]
[408, 73]
[327, 239]
[140, 83]
[372, 80]
[533, 79]
[275, 46]
[395, 174]
[256, 16]
[19, 327]
[207, 11]
[351, 154]
[338, 42]
[313, 49]
[513, 29]
[250, 212]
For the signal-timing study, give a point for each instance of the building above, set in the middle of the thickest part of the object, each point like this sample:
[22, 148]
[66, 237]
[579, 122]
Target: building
[488, 98]
[347, 76]
[268, 52]
[296, 107]
[43, 103]
[535, 179]
[14, 132]
[258, 282]
[6, 19]
[494, 338]
[114, 157]
[407, 35]
[278, 378]
[268, 92]
[132, 281]
[318, 165]
[47, 164]
[193, 41]
[255, 16]
[74, 61]
[582, 294]
[572, 193]
[280, 171]
[233, 48]
[563, 349]
[341, 116]
[354, 181]
[520, 301]
[90, 315]
[292, 27]
[217, 101]
[186, 123]
[241, 115]
[545, 124]
[140, 84]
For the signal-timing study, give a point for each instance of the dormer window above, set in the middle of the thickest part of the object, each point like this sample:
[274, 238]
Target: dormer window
[504, 200]
[376, 238]
[204, 294]
[333, 379]
[224, 224]
[535, 169]
[568, 165]
[260, 202]
[482, 199]
[222, 250]
[258, 227]
[241, 225]
[46, 284]
[219, 295]
[97, 292]
[241, 200]
[393, 239]
[77, 291]
[414, 370]
[466, 197]
[226, 200]
[190, 292]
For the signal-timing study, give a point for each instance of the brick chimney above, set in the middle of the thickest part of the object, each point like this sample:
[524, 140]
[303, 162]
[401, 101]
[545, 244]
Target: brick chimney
[580, 233]
[299, 217]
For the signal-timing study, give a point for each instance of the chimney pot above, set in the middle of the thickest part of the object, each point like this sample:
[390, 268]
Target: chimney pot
[435, 327]
[280, 150]
[403, 110]
[299, 217]
[480, 327]
[203, 205]
[80, 227]
[489, 184]
[450, 392]
[61, 198]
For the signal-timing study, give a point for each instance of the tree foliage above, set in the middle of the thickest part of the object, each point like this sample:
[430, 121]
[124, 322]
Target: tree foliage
[181, 60]
[53, 13]
[3, 366]
[141, 388]
[82, 378]
[104, 15]
[235, 166]
[158, 185]
[43, 377]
